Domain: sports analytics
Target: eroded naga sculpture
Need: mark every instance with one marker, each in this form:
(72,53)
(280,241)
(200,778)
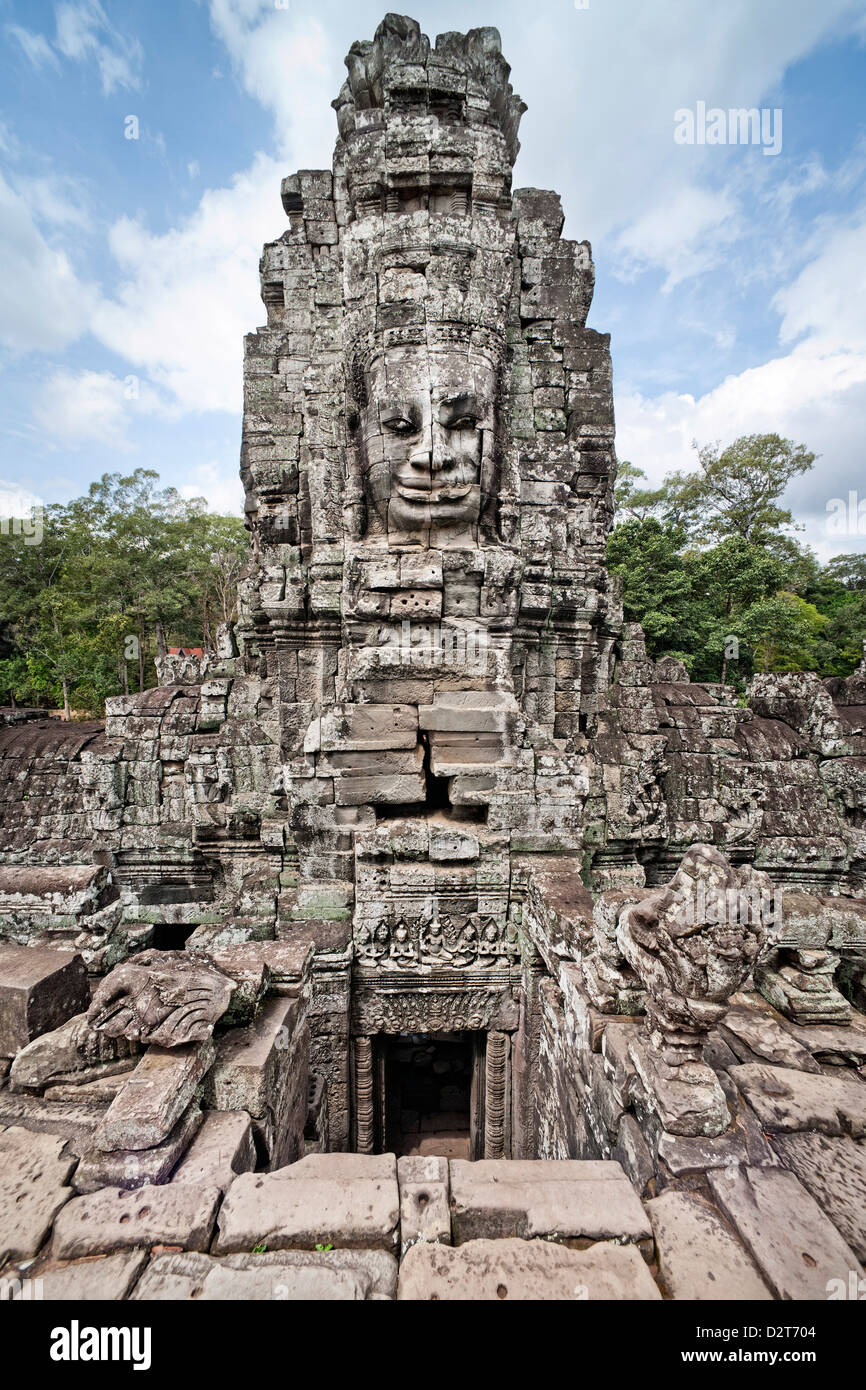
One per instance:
(692,943)
(164,997)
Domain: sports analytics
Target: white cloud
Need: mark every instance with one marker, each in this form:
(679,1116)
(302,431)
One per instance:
(57,200)
(828,298)
(84,31)
(17,501)
(82,407)
(684,236)
(36,48)
(287,64)
(219,484)
(43,304)
(189,296)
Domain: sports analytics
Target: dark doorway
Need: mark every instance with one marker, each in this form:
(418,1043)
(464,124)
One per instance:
(427,1083)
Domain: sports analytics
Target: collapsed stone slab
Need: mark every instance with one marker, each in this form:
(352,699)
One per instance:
(698,1256)
(795,1246)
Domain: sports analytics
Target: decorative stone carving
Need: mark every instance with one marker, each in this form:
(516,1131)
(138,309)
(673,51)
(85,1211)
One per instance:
(75,1051)
(800,984)
(692,943)
(495,1095)
(164,997)
(425,1011)
(364,1109)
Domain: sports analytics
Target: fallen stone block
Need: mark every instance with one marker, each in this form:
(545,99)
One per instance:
(424,1204)
(764,1038)
(563,1199)
(263,1069)
(329,1276)
(155,1096)
(350,1201)
(834,1171)
(34,1177)
(117,1219)
(795,1246)
(524,1270)
(785,1100)
(133,1168)
(698,1257)
(39,990)
(223,1147)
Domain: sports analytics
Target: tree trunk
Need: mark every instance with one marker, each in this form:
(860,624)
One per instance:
(161,644)
(140,660)
(67,713)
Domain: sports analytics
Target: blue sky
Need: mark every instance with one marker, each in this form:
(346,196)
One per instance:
(733,282)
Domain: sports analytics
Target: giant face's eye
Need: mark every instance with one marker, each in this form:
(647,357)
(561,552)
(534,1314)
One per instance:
(465,422)
(400,424)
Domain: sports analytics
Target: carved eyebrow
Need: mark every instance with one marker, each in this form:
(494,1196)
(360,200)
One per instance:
(453,407)
(402,410)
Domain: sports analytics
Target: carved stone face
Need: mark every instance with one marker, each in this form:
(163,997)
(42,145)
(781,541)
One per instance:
(427,434)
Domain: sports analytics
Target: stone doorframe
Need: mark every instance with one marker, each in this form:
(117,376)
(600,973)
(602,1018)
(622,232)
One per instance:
(490,1105)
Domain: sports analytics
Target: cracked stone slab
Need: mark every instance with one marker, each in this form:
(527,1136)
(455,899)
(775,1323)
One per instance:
(345,1200)
(117,1219)
(523,1270)
(834,1171)
(74,1123)
(786,1100)
(34,1176)
(287,1276)
(795,1246)
(98,1278)
(424,1200)
(134,1168)
(563,1199)
(698,1257)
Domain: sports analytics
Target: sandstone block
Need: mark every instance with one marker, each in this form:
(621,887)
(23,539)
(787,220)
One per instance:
(103,1279)
(287,1276)
(795,1246)
(564,1199)
(345,1200)
(152,1100)
(117,1219)
(698,1256)
(223,1147)
(424,1200)
(34,1173)
(786,1100)
(524,1270)
(39,990)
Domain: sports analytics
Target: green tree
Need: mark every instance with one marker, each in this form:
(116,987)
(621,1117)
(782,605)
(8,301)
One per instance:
(736,491)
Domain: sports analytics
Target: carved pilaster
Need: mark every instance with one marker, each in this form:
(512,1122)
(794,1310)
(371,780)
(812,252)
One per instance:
(496,1096)
(364,1111)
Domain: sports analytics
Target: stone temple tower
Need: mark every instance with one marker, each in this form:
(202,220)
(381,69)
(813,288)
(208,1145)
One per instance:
(429,839)
(427,456)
